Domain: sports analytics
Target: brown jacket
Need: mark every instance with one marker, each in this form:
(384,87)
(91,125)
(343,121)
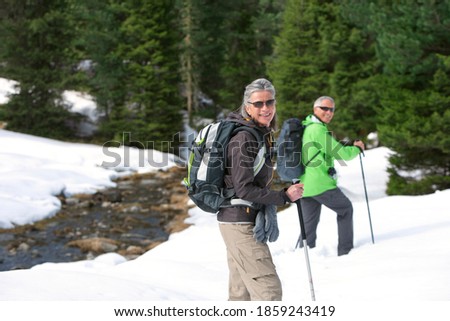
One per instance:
(241,152)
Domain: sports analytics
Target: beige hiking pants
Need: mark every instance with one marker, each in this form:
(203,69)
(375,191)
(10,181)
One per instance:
(253,276)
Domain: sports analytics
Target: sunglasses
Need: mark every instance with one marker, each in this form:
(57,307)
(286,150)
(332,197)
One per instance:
(326,108)
(260,104)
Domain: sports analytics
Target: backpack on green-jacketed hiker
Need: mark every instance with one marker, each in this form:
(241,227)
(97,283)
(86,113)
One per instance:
(289,150)
(207,164)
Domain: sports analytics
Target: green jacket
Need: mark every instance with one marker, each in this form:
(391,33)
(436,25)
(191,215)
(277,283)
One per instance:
(321,149)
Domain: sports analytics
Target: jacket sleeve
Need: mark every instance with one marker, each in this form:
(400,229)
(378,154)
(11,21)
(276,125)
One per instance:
(241,153)
(322,141)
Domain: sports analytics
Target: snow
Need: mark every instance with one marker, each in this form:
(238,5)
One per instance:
(409,261)
(81,103)
(35,170)
(7,87)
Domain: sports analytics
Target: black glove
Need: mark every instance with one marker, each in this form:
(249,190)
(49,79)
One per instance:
(266,225)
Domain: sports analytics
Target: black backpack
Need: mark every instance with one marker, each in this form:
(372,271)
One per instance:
(289,150)
(207,164)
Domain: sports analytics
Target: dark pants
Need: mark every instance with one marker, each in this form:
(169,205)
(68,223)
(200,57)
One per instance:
(335,200)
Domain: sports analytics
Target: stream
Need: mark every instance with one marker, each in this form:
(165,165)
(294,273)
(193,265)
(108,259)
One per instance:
(130,219)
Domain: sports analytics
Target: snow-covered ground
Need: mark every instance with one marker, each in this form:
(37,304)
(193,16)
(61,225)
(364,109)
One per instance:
(404,275)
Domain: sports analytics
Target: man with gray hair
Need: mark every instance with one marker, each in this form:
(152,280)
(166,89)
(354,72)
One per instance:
(319,151)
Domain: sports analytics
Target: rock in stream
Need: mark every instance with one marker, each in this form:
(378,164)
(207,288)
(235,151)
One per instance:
(130,219)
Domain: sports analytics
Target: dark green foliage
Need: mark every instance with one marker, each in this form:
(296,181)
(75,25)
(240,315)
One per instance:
(410,34)
(414,111)
(208,43)
(297,66)
(410,186)
(33,51)
(352,79)
(248,42)
(99,25)
(134,48)
(150,50)
(232,39)
(320,52)
(416,126)
(386,64)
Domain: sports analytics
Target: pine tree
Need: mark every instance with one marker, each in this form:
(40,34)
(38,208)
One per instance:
(414,115)
(352,72)
(251,26)
(208,44)
(133,46)
(149,48)
(298,68)
(34,52)
(188,58)
(99,39)
(231,40)
(321,52)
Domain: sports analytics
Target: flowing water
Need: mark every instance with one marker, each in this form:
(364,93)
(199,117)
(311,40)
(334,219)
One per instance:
(129,219)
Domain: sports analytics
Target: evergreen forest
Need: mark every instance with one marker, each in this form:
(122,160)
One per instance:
(149,62)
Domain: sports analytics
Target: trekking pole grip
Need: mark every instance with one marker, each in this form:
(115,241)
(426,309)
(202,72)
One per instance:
(300,212)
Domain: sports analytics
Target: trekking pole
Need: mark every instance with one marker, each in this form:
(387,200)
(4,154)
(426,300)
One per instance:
(365,191)
(303,235)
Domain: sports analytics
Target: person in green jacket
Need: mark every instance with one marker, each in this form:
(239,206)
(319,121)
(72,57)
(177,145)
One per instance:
(319,151)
